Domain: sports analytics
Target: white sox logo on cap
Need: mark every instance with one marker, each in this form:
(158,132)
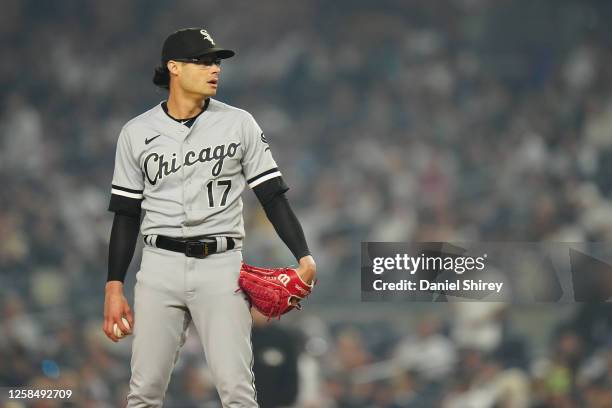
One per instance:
(207,36)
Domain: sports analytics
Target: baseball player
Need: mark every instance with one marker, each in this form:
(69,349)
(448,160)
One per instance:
(185,162)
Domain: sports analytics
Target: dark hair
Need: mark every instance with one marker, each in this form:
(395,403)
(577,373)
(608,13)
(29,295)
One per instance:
(161,77)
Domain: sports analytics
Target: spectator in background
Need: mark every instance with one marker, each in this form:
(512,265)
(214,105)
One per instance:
(478,325)
(428,353)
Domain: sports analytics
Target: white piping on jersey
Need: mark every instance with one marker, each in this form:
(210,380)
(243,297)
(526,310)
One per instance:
(126,194)
(265,178)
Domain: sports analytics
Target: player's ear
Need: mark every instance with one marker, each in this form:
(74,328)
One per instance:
(173,67)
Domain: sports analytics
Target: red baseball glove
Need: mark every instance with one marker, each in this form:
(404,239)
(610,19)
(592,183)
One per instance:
(273,291)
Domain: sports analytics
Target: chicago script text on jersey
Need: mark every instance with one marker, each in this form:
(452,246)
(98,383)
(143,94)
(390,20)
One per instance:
(157,167)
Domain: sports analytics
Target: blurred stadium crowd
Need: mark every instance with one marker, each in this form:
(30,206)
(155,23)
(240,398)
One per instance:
(463,120)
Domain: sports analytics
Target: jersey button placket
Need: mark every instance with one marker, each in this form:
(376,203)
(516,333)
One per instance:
(186,185)
(187,194)
(187,180)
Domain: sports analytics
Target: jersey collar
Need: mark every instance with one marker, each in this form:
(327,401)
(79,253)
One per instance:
(187,121)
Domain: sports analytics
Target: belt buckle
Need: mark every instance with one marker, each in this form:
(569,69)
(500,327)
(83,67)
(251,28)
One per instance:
(196,249)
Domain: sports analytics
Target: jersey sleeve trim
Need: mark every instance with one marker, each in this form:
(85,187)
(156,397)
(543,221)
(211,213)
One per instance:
(126,192)
(266,175)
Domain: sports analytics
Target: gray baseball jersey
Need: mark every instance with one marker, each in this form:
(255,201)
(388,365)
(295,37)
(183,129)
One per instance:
(191,179)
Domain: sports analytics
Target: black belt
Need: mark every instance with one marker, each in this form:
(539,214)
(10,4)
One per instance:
(190,247)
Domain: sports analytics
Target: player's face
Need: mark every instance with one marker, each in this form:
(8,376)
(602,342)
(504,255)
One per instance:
(200,78)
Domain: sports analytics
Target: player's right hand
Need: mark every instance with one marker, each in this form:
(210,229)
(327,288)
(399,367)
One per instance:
(116,307)
(307,270)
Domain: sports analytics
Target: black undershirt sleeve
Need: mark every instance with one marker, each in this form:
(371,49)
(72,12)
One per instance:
(287,226)
(283,218)
(269,189)
(125,205)
(122,245)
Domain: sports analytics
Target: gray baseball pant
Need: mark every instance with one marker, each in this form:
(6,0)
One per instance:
(171,291)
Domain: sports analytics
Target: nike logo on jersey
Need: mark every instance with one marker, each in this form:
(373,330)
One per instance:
(156,166)
(147,141)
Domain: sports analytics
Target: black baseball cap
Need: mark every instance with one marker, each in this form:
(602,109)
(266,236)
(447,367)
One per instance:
(192,43)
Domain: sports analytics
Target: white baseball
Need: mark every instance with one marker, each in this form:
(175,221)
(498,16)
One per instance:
(117,331)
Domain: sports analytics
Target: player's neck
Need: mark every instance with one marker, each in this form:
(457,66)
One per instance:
(183,106)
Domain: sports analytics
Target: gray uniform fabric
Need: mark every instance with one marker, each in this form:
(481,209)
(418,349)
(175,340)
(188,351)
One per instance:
(190,180)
